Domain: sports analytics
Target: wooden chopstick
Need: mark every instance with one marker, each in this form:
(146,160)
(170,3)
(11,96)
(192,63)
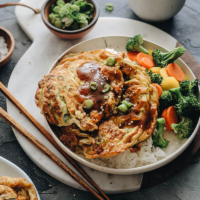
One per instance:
(46,151)
(5,91)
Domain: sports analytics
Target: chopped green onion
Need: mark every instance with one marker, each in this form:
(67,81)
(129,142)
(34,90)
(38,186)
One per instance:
(65,117)
(110,61)
(58,23)
(56,9)
(109,7)
(106,88)
(105,97)
(127,103)
(93,85)
(123,108)
(88,103)
(98,143)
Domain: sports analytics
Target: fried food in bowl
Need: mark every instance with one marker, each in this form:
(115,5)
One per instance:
(85,96)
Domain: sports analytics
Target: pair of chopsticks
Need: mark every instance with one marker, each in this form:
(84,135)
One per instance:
(45,150)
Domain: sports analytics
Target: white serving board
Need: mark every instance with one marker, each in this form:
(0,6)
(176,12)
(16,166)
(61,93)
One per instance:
(36,62)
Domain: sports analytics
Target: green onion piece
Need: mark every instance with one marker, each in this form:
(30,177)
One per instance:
(105,97)
(58,23)
(106,88)
(56,9)
(127,103)
(110,61)
(88,103)
(123,108)
(98,143)
(65,117)
(93,85)
(109,6)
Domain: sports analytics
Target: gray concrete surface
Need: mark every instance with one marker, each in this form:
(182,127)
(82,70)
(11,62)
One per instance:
(185,27)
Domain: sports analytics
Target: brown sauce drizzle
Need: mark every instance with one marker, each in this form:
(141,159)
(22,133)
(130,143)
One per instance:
(91,72)
(132,119)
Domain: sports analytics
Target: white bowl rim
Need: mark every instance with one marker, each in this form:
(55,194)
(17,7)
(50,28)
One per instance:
(7,162)
(129,171)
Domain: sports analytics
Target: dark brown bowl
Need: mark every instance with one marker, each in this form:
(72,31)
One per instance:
(9,39)
(68,34)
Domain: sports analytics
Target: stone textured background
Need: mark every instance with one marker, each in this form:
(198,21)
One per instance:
(185,27)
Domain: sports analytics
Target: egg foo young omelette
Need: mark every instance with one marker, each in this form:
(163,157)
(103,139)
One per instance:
(16,189)
(103,103)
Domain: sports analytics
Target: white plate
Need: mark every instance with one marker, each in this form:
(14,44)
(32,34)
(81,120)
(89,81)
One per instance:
(9,169)
(35,63)
(118,43)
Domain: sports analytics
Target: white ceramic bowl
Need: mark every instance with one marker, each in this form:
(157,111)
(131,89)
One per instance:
(156,10)
(119,43)
(9,169)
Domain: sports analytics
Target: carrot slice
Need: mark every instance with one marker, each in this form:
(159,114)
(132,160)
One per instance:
(168,126)
(143,55)
(146,62)
(158,88)
(164,115)
(171,116)
(175,71)
(132,55)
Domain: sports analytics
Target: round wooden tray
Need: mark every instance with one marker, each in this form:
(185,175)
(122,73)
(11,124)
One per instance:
(161,174)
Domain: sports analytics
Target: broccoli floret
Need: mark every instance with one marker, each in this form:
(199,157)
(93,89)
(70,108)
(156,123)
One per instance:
(135,44)
(189,87)
(155,77)
(163,59)
(184,129)
(158,139)
(166,100)
(187,106)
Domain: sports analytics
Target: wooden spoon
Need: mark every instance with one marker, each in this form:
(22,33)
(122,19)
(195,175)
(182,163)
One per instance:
(37,11)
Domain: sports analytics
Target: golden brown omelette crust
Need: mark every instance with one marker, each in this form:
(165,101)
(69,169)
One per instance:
(103,131)
(16,188)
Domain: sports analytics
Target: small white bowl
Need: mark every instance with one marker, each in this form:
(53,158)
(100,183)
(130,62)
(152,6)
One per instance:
(118,43)
(156,10)
(9,169)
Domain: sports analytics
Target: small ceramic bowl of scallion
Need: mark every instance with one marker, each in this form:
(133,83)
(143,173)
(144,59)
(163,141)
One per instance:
(70,19)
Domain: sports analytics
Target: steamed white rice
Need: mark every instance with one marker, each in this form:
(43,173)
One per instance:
(147,155)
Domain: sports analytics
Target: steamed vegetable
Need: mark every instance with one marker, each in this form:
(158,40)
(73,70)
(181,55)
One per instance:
(171,116)
(164,115)
(166,100)
(175,71)
(158,87)
(163,59)
(158,139)
(183,129)
(74,15)
(132,55)
(189,87)
(155,77)
(169,83)
(187,106)
(156,70)
(135,44)
(145,60)
(163,73)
